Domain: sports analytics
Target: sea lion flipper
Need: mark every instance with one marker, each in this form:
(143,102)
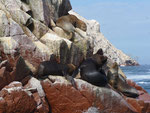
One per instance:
(71,80)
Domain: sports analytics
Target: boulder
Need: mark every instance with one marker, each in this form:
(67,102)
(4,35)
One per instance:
(141,103)
(66,99)
(60,32)
(11,5)
(133,84)
(13,98)
(15,28)
(45,10)
(38,94)
(8,45)
(39,29)
(4,24)
(65,49)
(21,17)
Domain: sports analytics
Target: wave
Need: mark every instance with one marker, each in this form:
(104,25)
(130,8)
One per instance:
(143,83)
(138,77)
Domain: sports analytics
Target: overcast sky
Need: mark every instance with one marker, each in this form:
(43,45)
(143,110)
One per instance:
(125,23)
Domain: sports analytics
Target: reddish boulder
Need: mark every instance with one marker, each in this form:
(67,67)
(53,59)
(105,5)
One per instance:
(38,94)
(133,84)
(141,103)
(15,99)
(5,77)
(145,97)
(13,71)
(64,98)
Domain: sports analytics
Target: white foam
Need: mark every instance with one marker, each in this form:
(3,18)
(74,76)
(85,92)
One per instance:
(143,83)
(138,77)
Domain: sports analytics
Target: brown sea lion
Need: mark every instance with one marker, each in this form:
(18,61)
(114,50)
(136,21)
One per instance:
(117,81)
(69,23)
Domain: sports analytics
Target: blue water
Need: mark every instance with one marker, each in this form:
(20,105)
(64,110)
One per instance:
(139,74)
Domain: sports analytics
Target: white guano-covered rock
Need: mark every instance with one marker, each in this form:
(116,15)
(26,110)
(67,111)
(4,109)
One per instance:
(8,45)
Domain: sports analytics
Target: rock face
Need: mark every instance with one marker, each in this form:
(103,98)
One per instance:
(57,95)
(65,99)
(13,98)
(116,55)
(29,36)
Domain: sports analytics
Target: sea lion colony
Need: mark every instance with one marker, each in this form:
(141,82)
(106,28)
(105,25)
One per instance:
(97,69)
(91,70)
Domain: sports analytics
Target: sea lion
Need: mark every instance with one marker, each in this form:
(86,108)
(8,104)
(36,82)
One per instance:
(117,81)
(110,65)
(54,67)
(69,23)
(90,70)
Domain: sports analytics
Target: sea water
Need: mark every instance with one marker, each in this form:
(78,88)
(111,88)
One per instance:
(139,74)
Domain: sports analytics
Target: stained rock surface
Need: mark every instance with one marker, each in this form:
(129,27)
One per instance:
(64,98)
(13,98)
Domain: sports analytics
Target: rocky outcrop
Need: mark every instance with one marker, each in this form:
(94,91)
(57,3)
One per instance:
(13,98)
(66,99)
(29,36)
(93,30)
(57,95)
(25,31)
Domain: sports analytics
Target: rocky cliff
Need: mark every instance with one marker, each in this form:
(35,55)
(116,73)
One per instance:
(28,36)
(116,55)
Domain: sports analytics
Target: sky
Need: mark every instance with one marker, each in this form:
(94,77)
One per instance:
(125,23)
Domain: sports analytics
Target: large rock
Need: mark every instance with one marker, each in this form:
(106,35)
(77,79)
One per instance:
(15,99)
(141,103)
(44,10)
(60,32)
(8,45)
(65,49)
(4,27)
(38,94)
(66,99)
(116,55)
(39,29)
(15,70)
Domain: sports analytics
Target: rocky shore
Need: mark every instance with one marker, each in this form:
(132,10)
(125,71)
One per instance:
(28,36)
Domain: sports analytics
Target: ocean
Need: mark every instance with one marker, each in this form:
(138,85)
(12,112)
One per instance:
(139,74)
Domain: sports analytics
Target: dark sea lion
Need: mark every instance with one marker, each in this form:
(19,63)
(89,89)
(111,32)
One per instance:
(118,82)
(69,22)
(89,70)
(54,67)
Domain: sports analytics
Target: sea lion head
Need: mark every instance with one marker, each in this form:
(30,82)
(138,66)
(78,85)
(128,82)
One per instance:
(81,25)
(100,52)
(77,23)
(99,59)
(55,58)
